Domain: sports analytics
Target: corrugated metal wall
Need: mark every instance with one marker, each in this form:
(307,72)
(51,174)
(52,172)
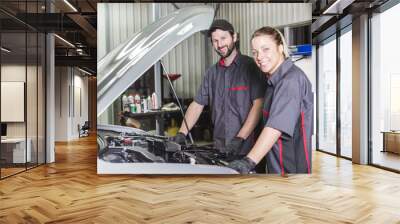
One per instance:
(187,58)
(248,17)
(116,22)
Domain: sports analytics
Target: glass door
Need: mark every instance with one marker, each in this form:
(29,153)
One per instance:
(327,96)
(346,92)
(13,103)
(385,89)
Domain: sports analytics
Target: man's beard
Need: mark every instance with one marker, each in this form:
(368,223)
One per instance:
(230,50)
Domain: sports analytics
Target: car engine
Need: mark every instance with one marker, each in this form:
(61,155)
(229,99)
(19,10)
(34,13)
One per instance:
(133,147)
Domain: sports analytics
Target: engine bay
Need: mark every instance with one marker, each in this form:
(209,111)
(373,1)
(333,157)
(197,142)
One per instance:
(146,148)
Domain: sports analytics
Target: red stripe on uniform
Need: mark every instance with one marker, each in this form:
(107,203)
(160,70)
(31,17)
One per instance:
(239,88)
(265,113)
(305,142)
(281,155)
(221,62)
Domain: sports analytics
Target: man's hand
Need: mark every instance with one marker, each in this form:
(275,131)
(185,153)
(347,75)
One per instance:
(234,146)
(243,166)
(179,138)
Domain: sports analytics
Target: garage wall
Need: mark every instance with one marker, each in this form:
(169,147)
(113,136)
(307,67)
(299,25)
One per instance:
(120,21)
(248,17)
(117,22)
(188,59)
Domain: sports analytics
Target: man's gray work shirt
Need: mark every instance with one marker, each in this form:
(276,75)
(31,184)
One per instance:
(230,92)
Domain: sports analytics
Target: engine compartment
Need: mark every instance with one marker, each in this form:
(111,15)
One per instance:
(131,147)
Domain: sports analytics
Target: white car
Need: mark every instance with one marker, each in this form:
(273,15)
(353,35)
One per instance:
(124,150)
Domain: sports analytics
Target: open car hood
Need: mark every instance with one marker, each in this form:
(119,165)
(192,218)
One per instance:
(125,150)
(120,68)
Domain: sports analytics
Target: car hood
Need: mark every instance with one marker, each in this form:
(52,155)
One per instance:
(120,68)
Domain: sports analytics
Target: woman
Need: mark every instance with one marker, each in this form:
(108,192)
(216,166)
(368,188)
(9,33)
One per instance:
(287,112)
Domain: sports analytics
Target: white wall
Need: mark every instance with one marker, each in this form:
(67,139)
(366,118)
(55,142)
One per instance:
(61,103)
(33,126)
(70,84)
(15,72)
(80,108)
(308,65)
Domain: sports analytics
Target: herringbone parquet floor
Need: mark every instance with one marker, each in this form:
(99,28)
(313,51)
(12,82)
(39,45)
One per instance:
(70,191)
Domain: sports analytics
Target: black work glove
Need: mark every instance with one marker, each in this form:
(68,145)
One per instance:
(243,166)
(179,138)
(234,146)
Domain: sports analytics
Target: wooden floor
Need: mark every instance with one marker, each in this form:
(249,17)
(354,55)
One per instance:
(10,171)
(70,191)
(387,159)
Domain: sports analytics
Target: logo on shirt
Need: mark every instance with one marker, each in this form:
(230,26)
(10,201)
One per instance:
(239,88)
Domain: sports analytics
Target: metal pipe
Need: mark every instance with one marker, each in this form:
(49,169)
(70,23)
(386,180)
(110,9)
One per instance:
(179,103)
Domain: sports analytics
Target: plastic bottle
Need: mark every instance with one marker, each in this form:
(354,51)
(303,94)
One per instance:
(144,105)
(137,98)
(154,101)
(127,108)
(137,103)
(125,103)
(124,100)
(173,129)
(149,103)
(133,108)
(130,99)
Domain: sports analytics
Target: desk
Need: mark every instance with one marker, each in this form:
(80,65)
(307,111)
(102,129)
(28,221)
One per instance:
(391,141)
(13,150)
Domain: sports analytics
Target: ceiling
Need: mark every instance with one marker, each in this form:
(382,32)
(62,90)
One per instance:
(74,22)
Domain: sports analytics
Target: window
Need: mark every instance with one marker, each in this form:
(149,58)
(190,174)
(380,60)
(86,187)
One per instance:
(385,89)
(346,92)
(22,76)
(327,96)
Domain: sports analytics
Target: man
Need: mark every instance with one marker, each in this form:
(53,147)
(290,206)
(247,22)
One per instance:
(287,113)
(234,89)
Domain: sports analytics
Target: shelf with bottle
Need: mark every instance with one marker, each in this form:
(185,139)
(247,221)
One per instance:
(140,104)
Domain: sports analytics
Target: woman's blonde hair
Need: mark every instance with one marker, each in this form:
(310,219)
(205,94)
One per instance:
(276,35)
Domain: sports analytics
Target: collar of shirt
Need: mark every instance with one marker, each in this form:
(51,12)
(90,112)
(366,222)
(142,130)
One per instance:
(221,61)
(280,72)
